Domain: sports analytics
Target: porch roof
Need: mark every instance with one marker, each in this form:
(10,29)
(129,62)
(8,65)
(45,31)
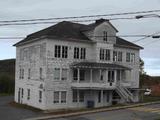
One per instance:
(98,65)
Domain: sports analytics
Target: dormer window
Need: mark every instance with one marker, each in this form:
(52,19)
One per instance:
(105,36)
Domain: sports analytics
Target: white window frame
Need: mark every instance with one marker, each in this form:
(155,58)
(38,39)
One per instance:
(65,98)
(105,54)
(40,96)
(41,73)
(105,38)
(28,94)
(64,51)
(76,96)
(57,100)
(57,51)
(64,76)
(29,73)
(57,75)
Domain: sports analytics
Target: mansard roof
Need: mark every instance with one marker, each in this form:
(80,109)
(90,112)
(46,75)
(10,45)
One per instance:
(71,31)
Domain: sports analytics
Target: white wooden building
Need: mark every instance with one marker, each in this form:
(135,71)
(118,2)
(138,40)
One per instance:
(72,65)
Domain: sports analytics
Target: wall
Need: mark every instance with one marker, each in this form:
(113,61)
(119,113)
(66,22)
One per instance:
(31,56)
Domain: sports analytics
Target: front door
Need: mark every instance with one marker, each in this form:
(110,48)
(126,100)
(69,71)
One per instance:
(19,95)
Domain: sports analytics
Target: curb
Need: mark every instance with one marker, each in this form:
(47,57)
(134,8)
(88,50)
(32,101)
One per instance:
(90,111)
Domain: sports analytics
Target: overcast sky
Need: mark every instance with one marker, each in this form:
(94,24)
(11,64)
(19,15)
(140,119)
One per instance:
(31,9)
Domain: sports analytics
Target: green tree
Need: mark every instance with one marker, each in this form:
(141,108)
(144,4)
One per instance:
(141,67)
(6,84)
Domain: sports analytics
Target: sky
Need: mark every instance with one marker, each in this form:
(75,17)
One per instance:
(33,9)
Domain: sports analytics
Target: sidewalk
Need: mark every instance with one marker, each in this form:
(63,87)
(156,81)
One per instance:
(91,111)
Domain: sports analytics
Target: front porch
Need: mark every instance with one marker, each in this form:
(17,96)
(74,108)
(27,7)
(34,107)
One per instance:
(97,98)
(99,76)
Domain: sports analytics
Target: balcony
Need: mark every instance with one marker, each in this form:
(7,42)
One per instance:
(98,76)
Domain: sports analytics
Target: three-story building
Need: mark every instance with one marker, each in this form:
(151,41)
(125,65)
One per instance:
(71,65)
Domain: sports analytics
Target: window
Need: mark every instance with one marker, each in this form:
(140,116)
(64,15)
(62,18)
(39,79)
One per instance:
(76,53)
(28,94)
(132,57)
(22,92)
(83,53)
(79,53)
(64,51)
(57,52)
(110,76)
(40,73)
(21,54)
(99,96)
(82,75)
(104,54)
(105,36)
(107,57)
(63,96)
(64,74)
(75,74)
(21,73)
(101,74)
(56,97)
(101,54)
(115,56)
(75,96)
(120,56)
(127,57)
(57,74)
(81,96)
(61,51)
(40,96)
(29,73)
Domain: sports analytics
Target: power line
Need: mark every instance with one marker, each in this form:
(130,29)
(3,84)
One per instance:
(145,37)
(142,35)
(53,22)
(84,16)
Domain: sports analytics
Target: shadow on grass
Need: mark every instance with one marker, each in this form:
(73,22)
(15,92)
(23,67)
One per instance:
(22,106)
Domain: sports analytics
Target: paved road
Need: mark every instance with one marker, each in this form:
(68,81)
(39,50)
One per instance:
(8,112)
(150,112)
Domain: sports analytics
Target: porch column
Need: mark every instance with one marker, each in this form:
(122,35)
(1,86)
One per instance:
(78,96)
(78,72)
(106,76)
(101,96)
(100,73)
(91,78)
(115,75)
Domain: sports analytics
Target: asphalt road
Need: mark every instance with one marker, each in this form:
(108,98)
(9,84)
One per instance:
(8,112)
(150,112)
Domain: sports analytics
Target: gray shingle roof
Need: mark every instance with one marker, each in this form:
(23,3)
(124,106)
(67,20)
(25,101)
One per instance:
(120,42)
(71,31)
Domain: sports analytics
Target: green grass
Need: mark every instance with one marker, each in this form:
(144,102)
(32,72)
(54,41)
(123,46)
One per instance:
(5,94)
(151,98)
(22,106)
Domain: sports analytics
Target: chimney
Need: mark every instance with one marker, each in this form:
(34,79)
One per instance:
(101,20)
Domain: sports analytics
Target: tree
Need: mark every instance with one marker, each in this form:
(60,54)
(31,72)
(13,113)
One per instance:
(141,67)
(6,84)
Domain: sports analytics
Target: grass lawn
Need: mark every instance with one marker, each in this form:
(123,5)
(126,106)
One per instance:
(5,94)
(151,98)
